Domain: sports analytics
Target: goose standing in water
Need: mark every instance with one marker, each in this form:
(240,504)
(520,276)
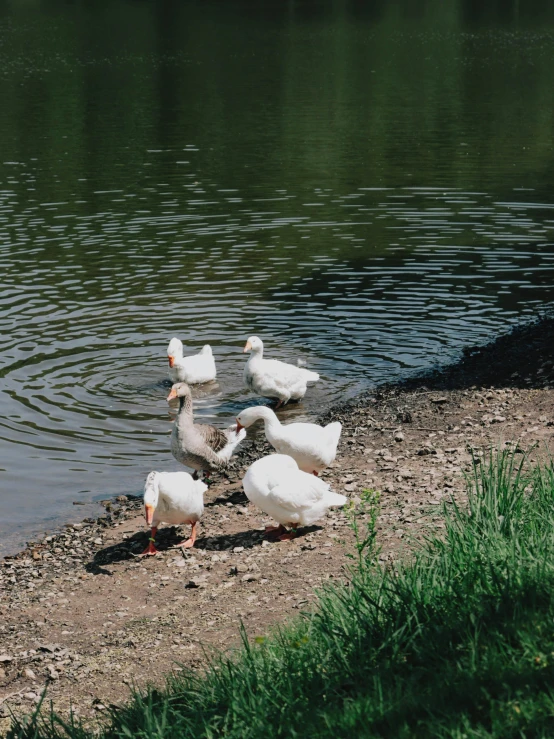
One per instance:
(272,378)
(195,369)
(290,496)
(200,445)
(312,447)
(174,498)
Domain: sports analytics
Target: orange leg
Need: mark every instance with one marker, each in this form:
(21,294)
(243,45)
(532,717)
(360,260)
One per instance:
(189,542)
(150,550)
(273,532)
(292,534)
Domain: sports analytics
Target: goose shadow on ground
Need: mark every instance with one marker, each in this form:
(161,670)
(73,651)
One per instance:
(168,539)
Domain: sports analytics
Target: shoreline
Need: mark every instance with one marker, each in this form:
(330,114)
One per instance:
(476,366)
(84,618)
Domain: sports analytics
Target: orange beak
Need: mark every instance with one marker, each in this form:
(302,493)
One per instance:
(239,425)
(247,347)
(172,394)
(149,514)
(171,360)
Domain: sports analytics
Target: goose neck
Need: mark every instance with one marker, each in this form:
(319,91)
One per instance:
(271,422)
(185,406)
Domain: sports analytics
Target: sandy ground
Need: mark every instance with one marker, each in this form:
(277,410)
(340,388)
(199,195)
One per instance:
(83,618)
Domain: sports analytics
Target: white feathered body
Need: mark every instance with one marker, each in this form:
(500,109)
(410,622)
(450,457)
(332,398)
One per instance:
(312,447)
(194,370)
(290,496)
(180,499)
(271,378)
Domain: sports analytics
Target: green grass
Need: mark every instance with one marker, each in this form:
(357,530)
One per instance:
(457,642)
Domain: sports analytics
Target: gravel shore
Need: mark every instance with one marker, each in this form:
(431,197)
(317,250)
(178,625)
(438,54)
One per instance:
(84,618)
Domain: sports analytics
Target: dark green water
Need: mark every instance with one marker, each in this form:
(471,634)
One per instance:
(369,186)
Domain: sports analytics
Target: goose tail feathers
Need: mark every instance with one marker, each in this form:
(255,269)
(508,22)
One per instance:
(310,376)
(334,432)
(335,499)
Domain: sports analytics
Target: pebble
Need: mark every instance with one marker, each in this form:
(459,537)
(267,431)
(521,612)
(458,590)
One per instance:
(5,658)
(250,576)
(180,562)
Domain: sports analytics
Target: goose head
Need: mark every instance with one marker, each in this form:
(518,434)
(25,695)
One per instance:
(174,350)
(179,390)
(151,495)
(250,415)
(253,344)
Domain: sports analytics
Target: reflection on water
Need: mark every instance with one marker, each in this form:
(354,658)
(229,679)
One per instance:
(368,189)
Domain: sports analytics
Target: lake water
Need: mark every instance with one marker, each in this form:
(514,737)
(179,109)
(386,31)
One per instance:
(367,186)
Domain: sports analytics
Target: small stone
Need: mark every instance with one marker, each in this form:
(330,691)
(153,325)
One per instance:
(498,419)
(5,658)
(30,696)
(53,674)
(97,541)
(250,577)
(196,582)
(29,674)
(439,401)
(122,499)
(236,550)
(399,436)
(178,562)
(48,647)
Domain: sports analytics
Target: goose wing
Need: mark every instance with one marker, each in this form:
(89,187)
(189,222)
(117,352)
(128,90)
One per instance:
(213,437)
(297,491)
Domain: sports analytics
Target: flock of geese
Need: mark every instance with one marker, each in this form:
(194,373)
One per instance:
(284,486)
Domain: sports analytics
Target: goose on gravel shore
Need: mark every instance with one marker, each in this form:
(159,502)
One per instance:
(312,447)
(173,498)
(272,378)
(200,445)
(290,496)
(195,369)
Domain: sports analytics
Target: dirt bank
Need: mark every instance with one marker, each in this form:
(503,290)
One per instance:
(83,617)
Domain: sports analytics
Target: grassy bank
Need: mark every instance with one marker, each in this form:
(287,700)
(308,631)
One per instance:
(458,642)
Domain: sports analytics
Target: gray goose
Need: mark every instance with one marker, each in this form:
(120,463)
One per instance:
(200,445)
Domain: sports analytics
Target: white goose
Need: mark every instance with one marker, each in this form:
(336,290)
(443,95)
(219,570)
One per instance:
(312,447)
(174,498)
(290,496)
(194,369)
(272,378)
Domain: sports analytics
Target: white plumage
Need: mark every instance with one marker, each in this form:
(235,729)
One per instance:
(195,369)
(290,496)
(312,447)
(173,498)
(272,378)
